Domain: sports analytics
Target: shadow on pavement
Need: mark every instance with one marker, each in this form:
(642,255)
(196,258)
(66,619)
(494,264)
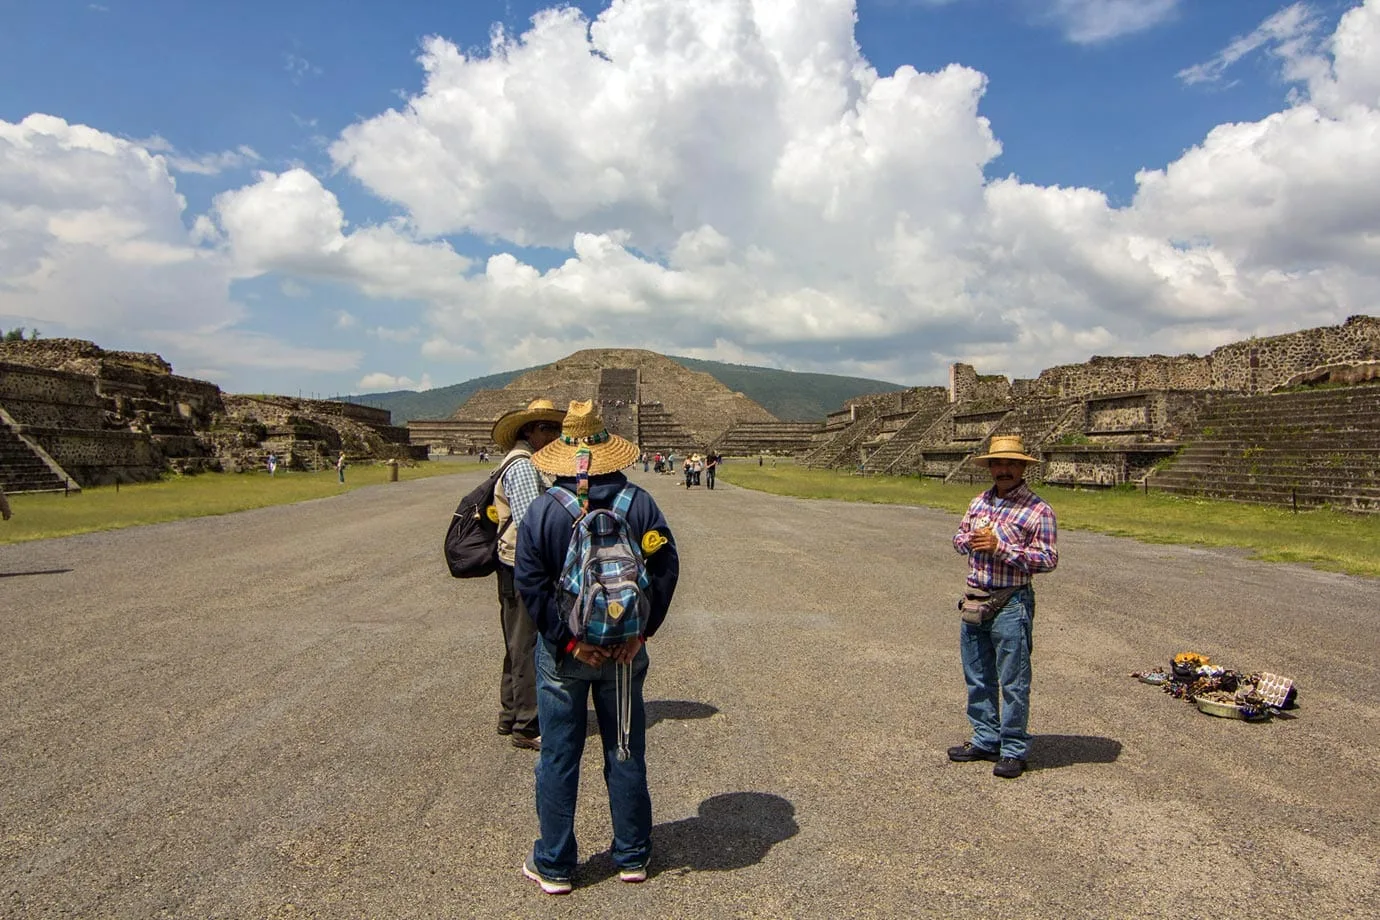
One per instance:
(733,830)
(659,710)
(1048,752)
(38,572)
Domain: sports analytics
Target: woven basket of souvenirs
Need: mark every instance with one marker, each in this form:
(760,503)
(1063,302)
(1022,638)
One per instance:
(1220,691)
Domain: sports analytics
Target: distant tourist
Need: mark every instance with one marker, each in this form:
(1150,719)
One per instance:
(586,462)
(340,466)
(711,463)
(4,505)
(1008,534)
(272,463)
(689,470)
(519,434)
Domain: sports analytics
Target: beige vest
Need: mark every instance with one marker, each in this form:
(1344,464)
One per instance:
(508,532)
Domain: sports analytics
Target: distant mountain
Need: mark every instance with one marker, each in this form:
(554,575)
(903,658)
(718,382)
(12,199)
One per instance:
(788,395)
(440,402)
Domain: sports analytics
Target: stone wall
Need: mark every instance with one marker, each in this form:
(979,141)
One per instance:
(1261,365)
(1103,375)
(966,385)
(79,356)
(50,399)
(95,458)
(1252,366)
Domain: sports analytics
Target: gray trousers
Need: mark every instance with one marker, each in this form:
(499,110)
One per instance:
(518,689)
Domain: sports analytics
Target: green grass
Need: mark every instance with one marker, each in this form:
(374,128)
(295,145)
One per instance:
(37,517)
(1325,539)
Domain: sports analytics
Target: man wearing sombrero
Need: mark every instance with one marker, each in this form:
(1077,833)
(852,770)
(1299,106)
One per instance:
(519,434)
(1008,534)
(586,461)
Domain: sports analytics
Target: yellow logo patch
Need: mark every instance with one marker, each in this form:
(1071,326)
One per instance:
(492,513)
(652,541)
(615,610)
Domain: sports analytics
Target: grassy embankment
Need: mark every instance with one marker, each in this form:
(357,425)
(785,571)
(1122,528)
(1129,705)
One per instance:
(1324,539)
(175,498)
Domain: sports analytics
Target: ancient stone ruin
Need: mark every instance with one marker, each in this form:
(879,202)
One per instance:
(1289,419)
(646,397)
(73,414)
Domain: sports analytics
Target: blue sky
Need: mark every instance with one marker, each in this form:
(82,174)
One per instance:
(350,197)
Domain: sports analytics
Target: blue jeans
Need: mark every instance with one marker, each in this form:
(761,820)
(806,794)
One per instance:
(563,690)
(996,668)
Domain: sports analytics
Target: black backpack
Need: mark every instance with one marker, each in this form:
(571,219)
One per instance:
(471,545)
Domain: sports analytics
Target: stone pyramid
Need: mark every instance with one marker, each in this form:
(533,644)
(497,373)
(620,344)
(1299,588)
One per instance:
(643,395)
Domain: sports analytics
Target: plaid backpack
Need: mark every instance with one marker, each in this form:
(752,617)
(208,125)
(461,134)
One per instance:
(604,572)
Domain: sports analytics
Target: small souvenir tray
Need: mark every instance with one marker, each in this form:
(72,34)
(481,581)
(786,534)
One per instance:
(1229,710)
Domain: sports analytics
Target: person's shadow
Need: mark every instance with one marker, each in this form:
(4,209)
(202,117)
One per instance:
(733,830)
(658,710)
(38,572)
(1049,752)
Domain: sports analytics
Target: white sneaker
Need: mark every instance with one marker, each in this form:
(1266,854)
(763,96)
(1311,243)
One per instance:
(548,885)
(634,874)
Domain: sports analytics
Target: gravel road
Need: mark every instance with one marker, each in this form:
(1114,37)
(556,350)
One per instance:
(289,713)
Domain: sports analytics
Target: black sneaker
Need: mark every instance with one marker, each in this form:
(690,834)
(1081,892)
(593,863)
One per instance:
(968,751)
(1009,767)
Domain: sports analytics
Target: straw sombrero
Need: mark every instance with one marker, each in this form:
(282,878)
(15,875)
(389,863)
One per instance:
(507,427)
(1005,447)
(584,430)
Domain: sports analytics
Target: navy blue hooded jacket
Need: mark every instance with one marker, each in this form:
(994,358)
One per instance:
(544,538)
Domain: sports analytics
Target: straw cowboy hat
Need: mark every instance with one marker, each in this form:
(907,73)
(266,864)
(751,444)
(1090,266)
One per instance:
(538,410)
(584,430)
(1005,447)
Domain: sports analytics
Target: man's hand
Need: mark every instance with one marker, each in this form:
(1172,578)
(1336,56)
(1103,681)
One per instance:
(592,655)
(985,540)
(625,653)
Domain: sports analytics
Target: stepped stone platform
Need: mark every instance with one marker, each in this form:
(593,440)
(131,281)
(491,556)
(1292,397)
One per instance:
(747,439)
(96,417)
(1194,425)
(1311,448)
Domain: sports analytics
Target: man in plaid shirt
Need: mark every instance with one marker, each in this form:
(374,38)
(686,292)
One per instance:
(520,434)
(1008,534)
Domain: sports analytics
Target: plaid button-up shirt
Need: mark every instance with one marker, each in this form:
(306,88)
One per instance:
(1026,533)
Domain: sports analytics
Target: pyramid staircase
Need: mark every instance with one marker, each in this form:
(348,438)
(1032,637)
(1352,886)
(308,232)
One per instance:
(891,456)
(1036,423)
(24,467)
(839,451)
(660,431)
(617,401)
(1314,448)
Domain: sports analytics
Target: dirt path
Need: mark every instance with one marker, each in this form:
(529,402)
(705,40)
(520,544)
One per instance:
(289,712)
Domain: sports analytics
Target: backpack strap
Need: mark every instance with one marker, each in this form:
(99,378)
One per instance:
(623,501)
(568,501)
(514,456)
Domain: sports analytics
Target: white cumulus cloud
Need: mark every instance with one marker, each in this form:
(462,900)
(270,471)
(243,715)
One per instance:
(736,172)
(733,178)
(380,382)
(93,240)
